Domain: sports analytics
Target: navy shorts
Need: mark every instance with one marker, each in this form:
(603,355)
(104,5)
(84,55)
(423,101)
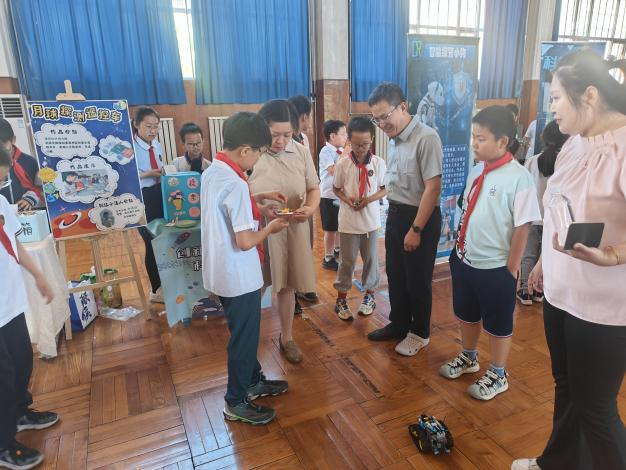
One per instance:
(329,213)
(483,294)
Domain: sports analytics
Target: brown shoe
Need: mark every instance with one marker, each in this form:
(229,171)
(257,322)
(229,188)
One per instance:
(291,350)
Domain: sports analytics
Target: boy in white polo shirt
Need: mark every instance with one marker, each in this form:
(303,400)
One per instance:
(232,253)
(499,204)
(336,136)
(16,353)
(359,185)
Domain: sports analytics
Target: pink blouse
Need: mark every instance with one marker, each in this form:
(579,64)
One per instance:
(591,174)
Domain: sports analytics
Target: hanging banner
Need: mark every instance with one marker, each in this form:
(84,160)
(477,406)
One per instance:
(442,84)
(551,53)
(87,166)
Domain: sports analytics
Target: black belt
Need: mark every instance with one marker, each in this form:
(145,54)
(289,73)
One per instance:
(396,206)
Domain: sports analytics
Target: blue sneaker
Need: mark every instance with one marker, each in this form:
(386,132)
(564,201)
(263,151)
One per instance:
(248,412)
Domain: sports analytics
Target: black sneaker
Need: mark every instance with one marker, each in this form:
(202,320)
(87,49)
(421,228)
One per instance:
(330,264)
(524,297)
(297,310)
(537,297)
(249,413)
(34,419)
(336,252)
(267,388)
(386,333)
(19,457)
(308,296)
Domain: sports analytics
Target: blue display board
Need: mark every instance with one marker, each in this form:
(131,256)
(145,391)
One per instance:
(551,53)
(87,166)
(442,84)
(178,254)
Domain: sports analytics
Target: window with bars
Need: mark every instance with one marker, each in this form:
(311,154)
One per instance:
(595,20)
(448,18)
(184,34)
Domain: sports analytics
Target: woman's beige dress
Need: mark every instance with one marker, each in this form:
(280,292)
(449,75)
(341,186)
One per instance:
(290,260)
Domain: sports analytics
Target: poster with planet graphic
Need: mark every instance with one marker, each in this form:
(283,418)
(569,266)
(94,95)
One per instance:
(87,166)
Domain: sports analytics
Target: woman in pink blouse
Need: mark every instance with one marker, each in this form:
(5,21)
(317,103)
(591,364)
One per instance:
(585,288)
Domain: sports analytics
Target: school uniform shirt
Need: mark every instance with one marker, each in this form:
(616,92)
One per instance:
(227,270)
(288,257)
(183,165)
(540,182)
(347,179)
(16,190)
(415,156)
(13,298)
(590,172)
(142,154)
(328,157)
(508,199)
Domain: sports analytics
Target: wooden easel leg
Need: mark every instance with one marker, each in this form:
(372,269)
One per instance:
(62,255)
(133,263)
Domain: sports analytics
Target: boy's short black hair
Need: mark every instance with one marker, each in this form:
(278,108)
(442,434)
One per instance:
(190,128)
(301,103)
(512,107)
(5,158)
(390,92)
(361,124)
(246,128)
(499,120)
(332,126)
(6,131)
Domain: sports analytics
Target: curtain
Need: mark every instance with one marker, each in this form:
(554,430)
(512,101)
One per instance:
(503,49)
(250,51)
(378,36)
(107,48)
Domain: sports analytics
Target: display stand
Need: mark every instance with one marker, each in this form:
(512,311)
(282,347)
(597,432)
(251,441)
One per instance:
(95,240)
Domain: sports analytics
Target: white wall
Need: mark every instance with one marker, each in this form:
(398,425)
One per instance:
(331,39)
(7,57)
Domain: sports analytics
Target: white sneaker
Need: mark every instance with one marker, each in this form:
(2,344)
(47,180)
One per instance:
(525,464)
(157,297)
(488,386)
(411,345)
(458,366)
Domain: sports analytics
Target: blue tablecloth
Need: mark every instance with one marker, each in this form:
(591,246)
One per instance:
(178,254)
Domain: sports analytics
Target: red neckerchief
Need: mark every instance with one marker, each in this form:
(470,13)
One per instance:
(363,176)
(339,152)
(6,241)
(256,214)
(23,177)
(472,196)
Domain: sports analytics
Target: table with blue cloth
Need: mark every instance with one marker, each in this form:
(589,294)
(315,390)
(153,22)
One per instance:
(178,253)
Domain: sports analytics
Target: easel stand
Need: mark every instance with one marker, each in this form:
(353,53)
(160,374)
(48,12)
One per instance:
(95,248)
(100,282)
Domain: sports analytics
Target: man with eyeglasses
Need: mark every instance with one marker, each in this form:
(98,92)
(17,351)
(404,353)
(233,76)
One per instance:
(413,182)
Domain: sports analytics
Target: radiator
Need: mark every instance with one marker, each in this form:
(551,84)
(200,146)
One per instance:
(167,139)
(381,142)
(215,134)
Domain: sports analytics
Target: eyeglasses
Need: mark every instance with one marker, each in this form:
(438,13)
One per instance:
(378,121)
(363,145)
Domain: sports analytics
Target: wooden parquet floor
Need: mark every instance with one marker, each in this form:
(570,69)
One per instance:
(139,395)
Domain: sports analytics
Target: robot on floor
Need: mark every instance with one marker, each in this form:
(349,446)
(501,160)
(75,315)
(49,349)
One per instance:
(431,435)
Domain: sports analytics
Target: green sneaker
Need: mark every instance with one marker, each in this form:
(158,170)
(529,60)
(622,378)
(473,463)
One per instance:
(248,412)
(267,388)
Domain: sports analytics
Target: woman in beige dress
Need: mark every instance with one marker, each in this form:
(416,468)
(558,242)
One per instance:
(288,167)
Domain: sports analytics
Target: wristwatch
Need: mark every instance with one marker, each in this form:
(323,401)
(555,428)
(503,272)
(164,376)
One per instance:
(416,228)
